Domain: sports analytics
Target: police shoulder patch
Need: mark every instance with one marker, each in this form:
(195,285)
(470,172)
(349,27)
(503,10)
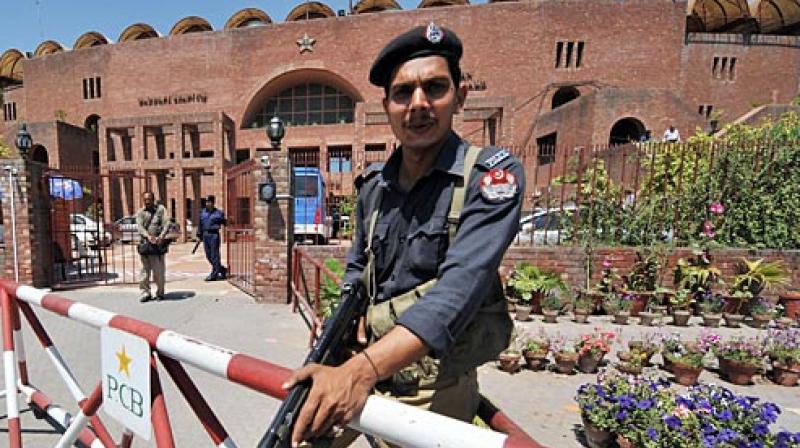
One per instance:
(496,158)
(498,185)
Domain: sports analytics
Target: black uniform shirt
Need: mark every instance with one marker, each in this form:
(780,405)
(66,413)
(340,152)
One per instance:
(411,241)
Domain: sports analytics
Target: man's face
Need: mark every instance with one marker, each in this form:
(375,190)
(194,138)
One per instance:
(148,200)
(421,102)
(209,205)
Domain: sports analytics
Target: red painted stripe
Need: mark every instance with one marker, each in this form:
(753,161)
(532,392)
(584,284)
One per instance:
(23,372)
(500,422)
(142,329)
(35,324)
(258,375)
(14,433)
(57,304)
(8,332)
(43,402)
(159,417)
(199,405)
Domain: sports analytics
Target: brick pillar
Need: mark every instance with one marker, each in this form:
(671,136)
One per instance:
(272,225)
(32,210)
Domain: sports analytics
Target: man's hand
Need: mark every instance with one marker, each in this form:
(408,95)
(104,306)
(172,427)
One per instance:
(152,239)
(336,395)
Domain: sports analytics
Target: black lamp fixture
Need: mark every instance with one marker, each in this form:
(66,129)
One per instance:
(24,141)
(276,131)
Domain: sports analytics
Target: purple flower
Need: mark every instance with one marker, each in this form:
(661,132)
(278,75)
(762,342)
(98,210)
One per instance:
(708,229)
(673,422)
(621,415)
(725,415)
(728,435)
(645,404)
(761,429)
(651,432)
(607,263)
(717,208)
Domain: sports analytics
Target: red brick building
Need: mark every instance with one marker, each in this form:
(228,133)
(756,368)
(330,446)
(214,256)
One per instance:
(181,108)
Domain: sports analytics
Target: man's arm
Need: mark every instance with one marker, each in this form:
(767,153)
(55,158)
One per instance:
(140,224)
(165,221)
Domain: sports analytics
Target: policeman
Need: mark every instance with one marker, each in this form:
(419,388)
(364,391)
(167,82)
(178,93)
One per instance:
(211,219)
(432,227)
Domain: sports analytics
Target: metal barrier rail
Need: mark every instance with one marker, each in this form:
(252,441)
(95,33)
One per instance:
(389,420)
(302,299)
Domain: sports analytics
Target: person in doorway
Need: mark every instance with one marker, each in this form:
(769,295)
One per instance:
(152,222)
(432,226)
(211,220)
(671,135)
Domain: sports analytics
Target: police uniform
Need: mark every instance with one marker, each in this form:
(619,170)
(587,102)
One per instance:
(210,223)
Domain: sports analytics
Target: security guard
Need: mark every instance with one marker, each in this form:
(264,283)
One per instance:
(432,226)
(211,219)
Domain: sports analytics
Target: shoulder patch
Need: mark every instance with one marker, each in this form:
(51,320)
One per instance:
(496,158)
(498,185)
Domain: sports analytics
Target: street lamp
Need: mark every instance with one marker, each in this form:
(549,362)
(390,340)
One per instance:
(275,132)
(24,141)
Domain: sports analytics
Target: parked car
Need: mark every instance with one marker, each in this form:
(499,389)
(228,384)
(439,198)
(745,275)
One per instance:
(546,226)
(88,231)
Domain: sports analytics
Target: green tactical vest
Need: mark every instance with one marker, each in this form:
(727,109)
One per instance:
(484,338)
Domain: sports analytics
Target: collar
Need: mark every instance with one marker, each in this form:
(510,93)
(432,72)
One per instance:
(450,160)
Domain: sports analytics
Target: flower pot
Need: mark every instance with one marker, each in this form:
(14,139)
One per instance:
(588,363)
(523,313)
(735,305)
(685,375)
(680,318)
(784,375)
(629,368)
(733,320)
(596,437)
(711,320)
(623,442)
(668,364)
(536,360)
(509,361)
(639,301)
(791,304)
(736,372)
(784,322)
(565,362)
(621,318)
(581,316)
(550,316)
(536,302)
(648,319)
(761,320)
(511,304)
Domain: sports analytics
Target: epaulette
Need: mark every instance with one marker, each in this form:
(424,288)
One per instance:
(496,159)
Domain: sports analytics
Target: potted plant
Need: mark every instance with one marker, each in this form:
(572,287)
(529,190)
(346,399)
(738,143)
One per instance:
(508,360)
(564,354)
(740,359)
(763,310)
(535,350)
(648,346)
(651,315)
(783,350)
(642,280)
(752,278)
(697,274)
(592,348)
(551,307)
(732,309)
(710,309)
(599,409)
(680,303)
(791,304)
(530,284)
(582,306)
(686,365)
(618,305)
(631,362)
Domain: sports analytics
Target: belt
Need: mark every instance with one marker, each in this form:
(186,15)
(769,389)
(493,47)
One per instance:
(212,232)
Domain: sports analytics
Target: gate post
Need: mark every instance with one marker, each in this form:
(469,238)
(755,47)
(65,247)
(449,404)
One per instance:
(32,216)
(273,226)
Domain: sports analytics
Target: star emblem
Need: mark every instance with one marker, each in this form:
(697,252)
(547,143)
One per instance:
(306,43)
(124,362)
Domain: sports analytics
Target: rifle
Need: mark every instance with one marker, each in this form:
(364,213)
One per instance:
(337,332)
(197,244)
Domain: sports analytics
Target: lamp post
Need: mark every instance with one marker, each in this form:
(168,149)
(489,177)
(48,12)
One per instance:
(275,132)
(24,141)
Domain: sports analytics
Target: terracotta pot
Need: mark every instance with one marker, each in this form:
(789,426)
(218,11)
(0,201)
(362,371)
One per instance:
(648,319)
(511,304)
(686,375)
(735,305)
(536,360)
(623,442)
(621,318)
(536,302)
(680,318)
(761,320)
(711,320)
(791,304)
(523,313)
(588,363)
(581,316)
(625,367)
(596,437)
(736,372)
(733,320)
(509,361)
(668,364)
(639,301)
(785,376)
(565,363)
(550,316)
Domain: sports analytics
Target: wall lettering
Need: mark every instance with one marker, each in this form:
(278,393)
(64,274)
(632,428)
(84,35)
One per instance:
(173,99)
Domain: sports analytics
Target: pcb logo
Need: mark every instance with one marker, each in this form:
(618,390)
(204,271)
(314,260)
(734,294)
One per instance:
(126,380)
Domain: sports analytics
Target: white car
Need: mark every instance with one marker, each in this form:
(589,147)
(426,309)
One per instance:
(546,226)
(88,231)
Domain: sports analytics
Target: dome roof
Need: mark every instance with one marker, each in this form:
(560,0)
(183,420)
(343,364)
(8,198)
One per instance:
(719,15)
(435,3)
(90,39)
(248,17)
(310,10)
(11,65)
(367,6)
(48,47)
(138,31)
(191,24)
(775,16)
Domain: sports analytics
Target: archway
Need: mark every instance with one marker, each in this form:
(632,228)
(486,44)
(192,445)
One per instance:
(39,154)
(91,123)
(625,131)
(564,95)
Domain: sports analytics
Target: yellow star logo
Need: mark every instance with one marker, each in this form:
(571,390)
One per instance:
(124,362)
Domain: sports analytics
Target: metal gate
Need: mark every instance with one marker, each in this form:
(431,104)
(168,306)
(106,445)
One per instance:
(240,231)
(88,245)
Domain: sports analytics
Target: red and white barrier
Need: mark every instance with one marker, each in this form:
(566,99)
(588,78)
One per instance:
(395,422)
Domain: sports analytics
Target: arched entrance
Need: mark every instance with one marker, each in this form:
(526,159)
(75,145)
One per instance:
(39,154)
(564,95)
(626,130)
(91,123)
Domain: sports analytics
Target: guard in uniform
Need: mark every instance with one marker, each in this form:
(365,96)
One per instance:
(432,226)
(211,219)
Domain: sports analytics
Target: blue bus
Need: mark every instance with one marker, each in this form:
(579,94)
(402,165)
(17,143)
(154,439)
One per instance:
(309,205)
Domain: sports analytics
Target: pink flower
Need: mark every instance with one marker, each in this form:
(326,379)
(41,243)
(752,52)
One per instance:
(717,208)
(708,229)
(607,263)
(681,411)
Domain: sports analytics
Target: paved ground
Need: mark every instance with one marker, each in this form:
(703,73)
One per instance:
(220,314)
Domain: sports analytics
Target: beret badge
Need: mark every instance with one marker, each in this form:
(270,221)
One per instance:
(433,33)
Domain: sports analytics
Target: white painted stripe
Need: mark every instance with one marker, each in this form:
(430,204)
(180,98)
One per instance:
(90,315)
(10,370)
(65,373)
(58,414)
(74,431)
(204,356)
(19,347)
(227,443)
(408,426)
(31,295)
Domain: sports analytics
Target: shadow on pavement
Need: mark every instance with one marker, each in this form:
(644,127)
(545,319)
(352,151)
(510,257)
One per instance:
(179,295)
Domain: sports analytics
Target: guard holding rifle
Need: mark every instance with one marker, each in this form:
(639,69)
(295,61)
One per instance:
(432,227)
(211,219)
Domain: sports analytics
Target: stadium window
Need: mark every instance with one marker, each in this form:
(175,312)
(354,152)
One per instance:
(559,52)
(308,104)
(10,111)
(92,88)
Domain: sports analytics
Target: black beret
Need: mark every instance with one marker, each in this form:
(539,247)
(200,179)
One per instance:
(431,40)
(211,198)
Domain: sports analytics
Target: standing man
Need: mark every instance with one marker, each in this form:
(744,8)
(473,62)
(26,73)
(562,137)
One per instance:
(432,227)
(152,221)
(672,135)
(211,219)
